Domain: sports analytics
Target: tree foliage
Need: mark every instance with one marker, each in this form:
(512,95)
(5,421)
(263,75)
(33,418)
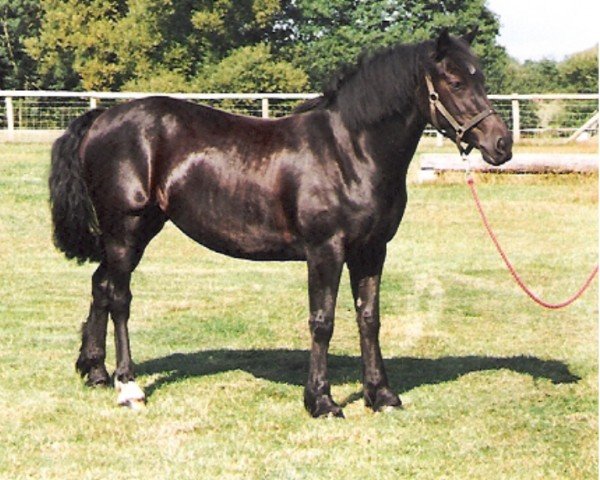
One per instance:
(154,44)
(253,69)
(18,20)
(243,45)
(577,73)
(95,44)
(320,34)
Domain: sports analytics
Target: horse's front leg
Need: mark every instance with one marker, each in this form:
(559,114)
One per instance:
(365,268)
(324,269)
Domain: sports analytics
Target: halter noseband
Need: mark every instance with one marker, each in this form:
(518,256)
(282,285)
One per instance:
(436,105)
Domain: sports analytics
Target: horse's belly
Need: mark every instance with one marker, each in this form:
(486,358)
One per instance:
(248,243)
(243,243)
(253,229)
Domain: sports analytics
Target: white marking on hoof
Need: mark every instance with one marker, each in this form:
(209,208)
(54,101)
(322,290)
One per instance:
(389,409)
(130,395)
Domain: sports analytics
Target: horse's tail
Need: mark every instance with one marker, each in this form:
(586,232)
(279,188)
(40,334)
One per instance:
(76,230)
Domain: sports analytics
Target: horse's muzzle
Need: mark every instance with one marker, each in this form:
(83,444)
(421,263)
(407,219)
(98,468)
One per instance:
(499,151)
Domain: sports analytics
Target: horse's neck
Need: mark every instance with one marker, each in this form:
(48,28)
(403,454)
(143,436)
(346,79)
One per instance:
(393,141)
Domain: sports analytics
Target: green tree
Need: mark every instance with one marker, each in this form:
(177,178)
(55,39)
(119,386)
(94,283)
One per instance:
(535,77)
(179,44)
(320,35)
(223,25)
(18,19)
(579,72)
(95,44)
(253,69)
(113,44)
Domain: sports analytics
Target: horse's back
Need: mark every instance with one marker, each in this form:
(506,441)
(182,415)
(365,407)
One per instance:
(145,144)
(168,119)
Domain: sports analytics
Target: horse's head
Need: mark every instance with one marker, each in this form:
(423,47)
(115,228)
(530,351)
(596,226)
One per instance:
(458,104)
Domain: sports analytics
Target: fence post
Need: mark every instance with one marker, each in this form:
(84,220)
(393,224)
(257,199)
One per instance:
(439,139)
(265,108)
(93,103)
(10,117)
(516,117)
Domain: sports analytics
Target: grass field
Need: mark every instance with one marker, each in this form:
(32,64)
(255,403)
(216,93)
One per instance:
(494,387)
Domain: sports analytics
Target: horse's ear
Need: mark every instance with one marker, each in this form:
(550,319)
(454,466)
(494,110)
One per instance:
(469,37)
(442,45)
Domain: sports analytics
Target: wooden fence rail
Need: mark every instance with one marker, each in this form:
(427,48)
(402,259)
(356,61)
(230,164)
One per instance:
(561,115)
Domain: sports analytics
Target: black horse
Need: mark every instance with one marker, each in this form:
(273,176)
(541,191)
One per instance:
(326,184)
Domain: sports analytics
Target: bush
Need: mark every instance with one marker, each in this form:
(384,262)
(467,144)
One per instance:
(252,69)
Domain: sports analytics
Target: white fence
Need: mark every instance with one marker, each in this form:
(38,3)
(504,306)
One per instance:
(24,114)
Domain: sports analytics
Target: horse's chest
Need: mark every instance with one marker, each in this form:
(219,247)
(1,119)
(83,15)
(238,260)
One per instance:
(377,220)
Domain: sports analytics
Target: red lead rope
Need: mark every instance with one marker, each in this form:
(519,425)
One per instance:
(510,266)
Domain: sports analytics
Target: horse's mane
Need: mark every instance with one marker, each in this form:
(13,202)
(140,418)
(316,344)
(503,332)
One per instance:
(378,85)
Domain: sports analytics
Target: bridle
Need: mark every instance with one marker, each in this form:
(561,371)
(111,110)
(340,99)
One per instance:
(435,105)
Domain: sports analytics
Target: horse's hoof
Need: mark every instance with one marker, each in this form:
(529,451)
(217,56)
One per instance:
(98,378)
(96,375)
(130,395)
(325,407)
(97,382)
(336,414)
(385,400)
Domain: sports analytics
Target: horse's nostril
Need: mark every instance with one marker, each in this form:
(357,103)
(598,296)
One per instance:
(501,145)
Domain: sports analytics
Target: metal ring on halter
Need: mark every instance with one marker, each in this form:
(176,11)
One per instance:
(465,158)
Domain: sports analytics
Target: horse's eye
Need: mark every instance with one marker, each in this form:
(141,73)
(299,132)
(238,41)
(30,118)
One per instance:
(456,85)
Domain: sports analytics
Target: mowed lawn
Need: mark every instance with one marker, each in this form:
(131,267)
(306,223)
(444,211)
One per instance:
(494,387)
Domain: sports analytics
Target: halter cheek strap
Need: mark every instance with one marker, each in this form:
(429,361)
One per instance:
(435,106)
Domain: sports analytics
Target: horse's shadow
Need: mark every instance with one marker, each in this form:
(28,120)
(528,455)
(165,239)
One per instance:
(290,366)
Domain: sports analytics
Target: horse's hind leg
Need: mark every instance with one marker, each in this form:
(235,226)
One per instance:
(124,245)
(125,238)
(120,302)
(93,332)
